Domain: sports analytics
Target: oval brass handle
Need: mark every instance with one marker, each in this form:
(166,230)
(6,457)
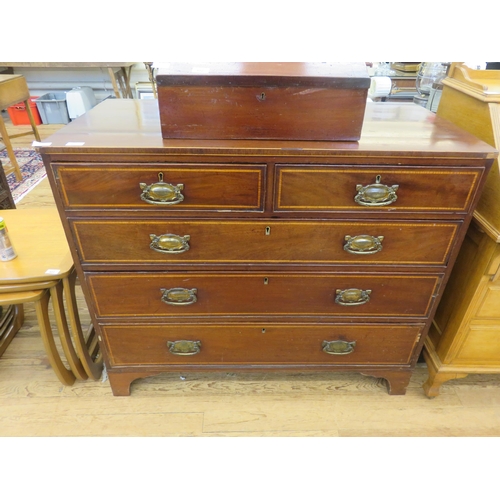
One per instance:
(184,347)
(338,347)
(179,296)
(169,243)
(363,244)
(376,195)
(352,297)
(161,193)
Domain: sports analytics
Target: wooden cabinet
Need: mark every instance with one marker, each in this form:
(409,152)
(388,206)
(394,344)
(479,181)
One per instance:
(262,254)
(465,335)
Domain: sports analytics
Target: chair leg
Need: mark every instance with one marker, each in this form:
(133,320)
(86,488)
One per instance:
(86,348)
(42,312)
(56,294)
(10,150)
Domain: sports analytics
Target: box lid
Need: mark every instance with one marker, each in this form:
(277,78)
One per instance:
(333,75)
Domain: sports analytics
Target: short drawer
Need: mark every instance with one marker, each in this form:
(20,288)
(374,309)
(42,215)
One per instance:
(169,187)
(258,294)
(329,189)
(277,344)
(265,242)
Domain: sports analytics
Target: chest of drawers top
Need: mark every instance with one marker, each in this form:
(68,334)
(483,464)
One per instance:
(395,133)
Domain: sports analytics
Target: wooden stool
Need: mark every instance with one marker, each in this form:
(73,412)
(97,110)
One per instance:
(14,89)
(44,271)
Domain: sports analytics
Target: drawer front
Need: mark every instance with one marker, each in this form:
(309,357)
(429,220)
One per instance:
(243,242)
(330,189)
(176,344)
(258,294)
(169,187)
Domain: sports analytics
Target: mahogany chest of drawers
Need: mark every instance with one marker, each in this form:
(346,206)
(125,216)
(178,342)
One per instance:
(263,255)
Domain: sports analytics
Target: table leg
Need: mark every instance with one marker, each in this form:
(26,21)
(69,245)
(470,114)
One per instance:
(42,311)
(32,120)
(88,348)
(126,77)
(56,294)
(113,81)
(10,150)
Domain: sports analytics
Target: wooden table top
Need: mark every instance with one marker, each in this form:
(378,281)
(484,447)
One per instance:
(41,246)
(133,125)
(6,78)
(13,89)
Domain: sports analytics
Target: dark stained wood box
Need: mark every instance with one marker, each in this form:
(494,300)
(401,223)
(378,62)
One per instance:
(290,101)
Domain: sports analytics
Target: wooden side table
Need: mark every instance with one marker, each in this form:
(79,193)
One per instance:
(465,335)
(14,89)
(44,270)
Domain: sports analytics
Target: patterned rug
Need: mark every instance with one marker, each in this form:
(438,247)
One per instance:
(32,169)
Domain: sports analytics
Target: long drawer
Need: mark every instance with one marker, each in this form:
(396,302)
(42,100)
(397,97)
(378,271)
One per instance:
(166,186)
(173,294)
(178,242)
(313,188)
(223,344)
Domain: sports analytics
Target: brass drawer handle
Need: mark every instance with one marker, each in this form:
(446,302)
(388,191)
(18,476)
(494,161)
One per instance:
(161,193)
(179,296)
(376,195)
(184,347)
(352,297)
(363,244)
(338,347)
(169,243)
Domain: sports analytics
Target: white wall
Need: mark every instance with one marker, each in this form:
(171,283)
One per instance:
(43,80)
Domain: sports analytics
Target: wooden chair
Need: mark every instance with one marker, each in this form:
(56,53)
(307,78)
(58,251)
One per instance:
(14,89)
(43,272)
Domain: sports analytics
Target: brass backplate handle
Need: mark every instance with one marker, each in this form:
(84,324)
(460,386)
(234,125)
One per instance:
(184,347)
(338,347)
(352,297)
(376,195)
(161,193)
(363,244)
(179,296)
(169,243)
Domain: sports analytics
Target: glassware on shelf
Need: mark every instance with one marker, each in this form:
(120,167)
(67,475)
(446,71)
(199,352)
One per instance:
(429,74)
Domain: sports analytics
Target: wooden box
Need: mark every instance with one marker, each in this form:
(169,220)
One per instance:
(290,101)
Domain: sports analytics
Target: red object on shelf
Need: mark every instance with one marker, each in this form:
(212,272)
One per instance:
(19,116)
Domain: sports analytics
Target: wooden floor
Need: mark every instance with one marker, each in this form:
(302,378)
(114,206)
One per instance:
(34,403)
